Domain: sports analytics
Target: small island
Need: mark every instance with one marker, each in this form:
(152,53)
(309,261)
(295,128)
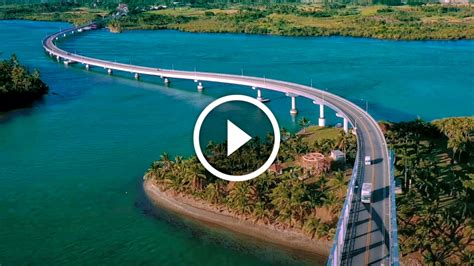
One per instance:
(296,203)
(18,87)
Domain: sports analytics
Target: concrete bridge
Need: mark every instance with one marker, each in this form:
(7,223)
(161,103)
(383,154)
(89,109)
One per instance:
(366,233)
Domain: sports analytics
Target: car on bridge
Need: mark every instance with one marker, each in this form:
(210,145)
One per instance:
(366,193)
(368,160)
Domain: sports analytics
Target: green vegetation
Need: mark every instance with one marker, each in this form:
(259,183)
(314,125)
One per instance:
(435,166)
(390,21)
(68,12)
(398,22)
(18,87)
(285,200)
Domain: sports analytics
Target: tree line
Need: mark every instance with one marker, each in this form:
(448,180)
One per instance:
(19,87)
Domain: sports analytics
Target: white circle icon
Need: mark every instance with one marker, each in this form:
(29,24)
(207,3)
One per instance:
(236,137)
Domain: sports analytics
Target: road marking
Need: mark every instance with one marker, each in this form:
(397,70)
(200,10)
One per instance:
(369,226)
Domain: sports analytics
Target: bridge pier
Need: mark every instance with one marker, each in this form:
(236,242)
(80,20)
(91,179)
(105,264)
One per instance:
(87,66)
(137,76)
(322,120)
(109,71)
(293,110)
(200,87)
(345,125)
(166,81)
(58,58)
(259,95)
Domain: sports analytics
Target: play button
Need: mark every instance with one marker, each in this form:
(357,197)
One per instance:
(236,137)
(243,125)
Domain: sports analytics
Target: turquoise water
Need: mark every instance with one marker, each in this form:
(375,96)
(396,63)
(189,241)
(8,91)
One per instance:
(71,166)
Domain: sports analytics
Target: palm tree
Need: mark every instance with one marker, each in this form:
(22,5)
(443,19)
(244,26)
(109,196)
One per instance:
(242,198)
(212,193)
(311,226)
(281,198)
(261,212)
(303,123)
(337,183)
(284,134)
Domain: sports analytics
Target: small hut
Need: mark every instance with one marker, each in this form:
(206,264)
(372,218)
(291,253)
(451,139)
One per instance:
(315,163)
(338,155)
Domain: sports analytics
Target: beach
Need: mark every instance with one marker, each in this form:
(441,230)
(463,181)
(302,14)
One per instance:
(202,211)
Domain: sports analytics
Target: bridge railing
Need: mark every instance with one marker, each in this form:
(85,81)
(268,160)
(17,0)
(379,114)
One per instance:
(335,255)
(394,259)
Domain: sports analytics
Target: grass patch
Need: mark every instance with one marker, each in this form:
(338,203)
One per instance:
(316,133)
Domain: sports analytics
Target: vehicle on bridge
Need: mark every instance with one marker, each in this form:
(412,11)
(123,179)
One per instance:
(366,193)
(368,160)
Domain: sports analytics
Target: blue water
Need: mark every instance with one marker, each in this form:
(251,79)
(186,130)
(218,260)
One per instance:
(71,166)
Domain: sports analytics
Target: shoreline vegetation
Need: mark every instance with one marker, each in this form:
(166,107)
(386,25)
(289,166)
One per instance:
(18,87)
(434,171)
(292,204)
(397,22)
(201,210)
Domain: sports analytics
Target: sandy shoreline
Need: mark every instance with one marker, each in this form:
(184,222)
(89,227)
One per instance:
(203,212)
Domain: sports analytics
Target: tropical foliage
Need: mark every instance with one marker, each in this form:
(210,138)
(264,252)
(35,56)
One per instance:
(435,167)
(413,23)
(329,18)
(281,200)
(18,87)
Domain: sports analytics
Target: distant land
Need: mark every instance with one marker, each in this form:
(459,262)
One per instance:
(416,21)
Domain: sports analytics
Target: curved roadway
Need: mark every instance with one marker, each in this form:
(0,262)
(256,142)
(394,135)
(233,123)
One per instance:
(367,238)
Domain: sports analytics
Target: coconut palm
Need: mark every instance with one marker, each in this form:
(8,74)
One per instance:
(311,226)
(242,198)
(260,212)
(212,193)
(303,123)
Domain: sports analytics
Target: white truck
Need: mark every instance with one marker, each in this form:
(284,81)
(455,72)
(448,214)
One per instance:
(366,193)
(368,160)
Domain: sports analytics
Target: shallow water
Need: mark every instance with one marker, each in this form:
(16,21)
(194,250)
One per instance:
(71,166)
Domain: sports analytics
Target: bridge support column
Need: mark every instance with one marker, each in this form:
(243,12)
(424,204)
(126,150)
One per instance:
(109,71)
(200,87)
(87,66)
(322,120)
(259,95)
(58,58)
(166,81)
(293,110)
(345,125)
(137,76)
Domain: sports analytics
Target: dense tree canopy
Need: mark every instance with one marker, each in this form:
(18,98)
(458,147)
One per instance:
(284,200)
(18,87)
(435,166)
